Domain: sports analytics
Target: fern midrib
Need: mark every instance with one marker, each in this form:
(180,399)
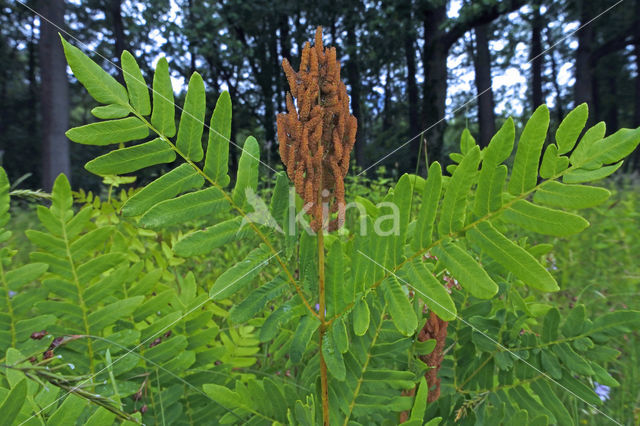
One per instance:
(490,215)
(365,366)
(235,207)
(5,284)
(76,281)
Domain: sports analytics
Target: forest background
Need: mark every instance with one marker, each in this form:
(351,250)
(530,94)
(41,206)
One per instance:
(416,70)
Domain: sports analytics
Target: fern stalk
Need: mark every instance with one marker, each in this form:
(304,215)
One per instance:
(83,306)
(324,382)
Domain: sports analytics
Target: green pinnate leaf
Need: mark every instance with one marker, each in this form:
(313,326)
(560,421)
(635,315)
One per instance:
(302,336)
(24,274)
(100,85)
(61,198)
(340,335)
(544,220)
(202,242)
(332,356)
(466,270)
(189,141)
(551,364)
(68,411)
(257,300)
(163,115)
(188,206)
(361,317)
(109,132)
(571,127)
(430,289)
(572,360)
(550,325)
(136,86)
(552,163)
(96,266)
(400,309)
(217,158)
(335,287)
(86,244)
(512,257)
(180,179)
(12,404)
(455,198)
(131,159)
(579,156)
(584,175)
(501,144)
(623,318)
(579,390)
(420,402)
(467,142)
(556,194)
(493,174)
(240,275)
(552,402)
(614,147)
(108,315)
(428,208)
(247,171)
(108,112)
(524,175)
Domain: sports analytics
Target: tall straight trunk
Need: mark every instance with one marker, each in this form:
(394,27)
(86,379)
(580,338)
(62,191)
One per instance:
(32,48)
(285,52)
(54,95)
(482,65)
(554,78)
(535,57)
(386,105)
(583,88)
(118,30)
(191,44)
(412,86)
(434,89)
(611,106)
(353,77)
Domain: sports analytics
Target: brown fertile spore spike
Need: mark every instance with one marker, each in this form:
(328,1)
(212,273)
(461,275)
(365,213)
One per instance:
(317,132)
(434,328)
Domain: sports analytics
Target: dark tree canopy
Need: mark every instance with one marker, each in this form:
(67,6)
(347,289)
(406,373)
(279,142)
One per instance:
(414,68)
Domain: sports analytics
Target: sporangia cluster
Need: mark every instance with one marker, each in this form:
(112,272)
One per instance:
(317,133)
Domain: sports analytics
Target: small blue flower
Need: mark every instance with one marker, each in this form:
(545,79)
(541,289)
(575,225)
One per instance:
(602,391)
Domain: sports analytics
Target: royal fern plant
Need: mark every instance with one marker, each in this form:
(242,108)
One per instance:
(427,308)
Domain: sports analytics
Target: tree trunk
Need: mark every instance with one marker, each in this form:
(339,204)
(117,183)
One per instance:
(583,88)
(353,77)
(554,78)
(434,89)
(54,95)
(412,86)
(191,44)
(387,119)
(118,31)
(437,43)
(537,98)
(482,65)
(285,52)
